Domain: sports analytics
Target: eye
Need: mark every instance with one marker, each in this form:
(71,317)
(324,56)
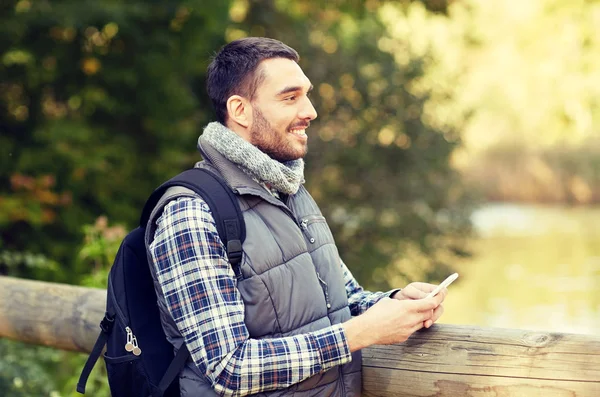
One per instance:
(291,98)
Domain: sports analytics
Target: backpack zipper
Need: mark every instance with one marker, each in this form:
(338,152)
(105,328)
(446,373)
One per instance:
(132,343)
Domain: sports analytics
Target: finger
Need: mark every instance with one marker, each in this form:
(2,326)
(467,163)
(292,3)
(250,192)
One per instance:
(416,319)
(416,327)
(439,298)
(413,292)
(428,321)
(442,295)
(429,303)
(426,316)
(437,313)
(425,287)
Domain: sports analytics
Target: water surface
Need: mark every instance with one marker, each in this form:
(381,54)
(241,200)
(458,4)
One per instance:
(534,267)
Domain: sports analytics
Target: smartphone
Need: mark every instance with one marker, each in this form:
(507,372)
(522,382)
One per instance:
(443,285)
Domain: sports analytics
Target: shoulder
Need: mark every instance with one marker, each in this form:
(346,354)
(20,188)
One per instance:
(189,211)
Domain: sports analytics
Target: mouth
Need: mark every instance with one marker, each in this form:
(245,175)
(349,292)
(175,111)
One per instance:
(298,131)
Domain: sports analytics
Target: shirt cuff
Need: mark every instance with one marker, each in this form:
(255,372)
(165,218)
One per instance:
(390,294)
(332,345)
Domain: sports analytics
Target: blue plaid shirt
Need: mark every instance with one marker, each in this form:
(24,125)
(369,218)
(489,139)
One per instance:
(200,289)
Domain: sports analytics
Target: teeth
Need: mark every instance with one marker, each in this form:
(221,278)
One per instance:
(299,132)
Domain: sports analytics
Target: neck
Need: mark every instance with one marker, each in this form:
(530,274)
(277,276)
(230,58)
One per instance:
(239,130)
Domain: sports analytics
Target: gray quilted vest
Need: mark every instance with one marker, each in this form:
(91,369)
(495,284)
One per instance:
(292,281)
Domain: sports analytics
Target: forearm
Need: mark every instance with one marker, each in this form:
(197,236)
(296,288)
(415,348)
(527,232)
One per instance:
(270,364)
(357,334)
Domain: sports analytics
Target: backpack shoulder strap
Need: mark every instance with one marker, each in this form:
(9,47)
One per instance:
(228,219)
(220,199)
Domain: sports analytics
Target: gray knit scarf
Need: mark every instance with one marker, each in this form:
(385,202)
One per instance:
(285,177)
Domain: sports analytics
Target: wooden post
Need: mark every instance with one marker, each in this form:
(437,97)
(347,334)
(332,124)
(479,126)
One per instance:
(56,315)
(445,361)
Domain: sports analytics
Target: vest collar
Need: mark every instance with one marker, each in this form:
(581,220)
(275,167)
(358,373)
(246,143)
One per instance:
(238,180)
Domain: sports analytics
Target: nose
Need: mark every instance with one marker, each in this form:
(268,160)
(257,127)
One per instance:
(308,111)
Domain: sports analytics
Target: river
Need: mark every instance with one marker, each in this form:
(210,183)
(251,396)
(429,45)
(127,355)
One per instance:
(534,267)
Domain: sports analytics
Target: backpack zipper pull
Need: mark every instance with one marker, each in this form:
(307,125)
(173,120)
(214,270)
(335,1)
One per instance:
(136,350)
(129,344)
(132,344)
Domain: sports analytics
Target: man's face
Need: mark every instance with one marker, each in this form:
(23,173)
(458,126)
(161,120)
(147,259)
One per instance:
(282,111)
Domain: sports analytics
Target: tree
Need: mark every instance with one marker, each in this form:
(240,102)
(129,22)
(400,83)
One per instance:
(378,163)
(96,109)
(100,101)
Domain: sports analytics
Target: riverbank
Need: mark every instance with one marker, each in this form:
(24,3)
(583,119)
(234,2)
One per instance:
(550,175)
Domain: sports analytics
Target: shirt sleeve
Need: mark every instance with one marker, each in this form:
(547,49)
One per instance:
(200,291)
(360,300)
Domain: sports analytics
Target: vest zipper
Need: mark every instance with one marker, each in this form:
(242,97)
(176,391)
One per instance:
(304,227)
(132,344)
(304,222)
(325,290)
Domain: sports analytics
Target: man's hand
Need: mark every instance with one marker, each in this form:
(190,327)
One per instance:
(417,290)
(390,321)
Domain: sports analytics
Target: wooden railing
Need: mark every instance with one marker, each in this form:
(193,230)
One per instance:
(445,360)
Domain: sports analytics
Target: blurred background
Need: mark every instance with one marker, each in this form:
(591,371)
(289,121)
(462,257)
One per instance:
(452,136)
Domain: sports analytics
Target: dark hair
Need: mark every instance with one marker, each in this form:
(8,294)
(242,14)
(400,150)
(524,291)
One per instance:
(233,71)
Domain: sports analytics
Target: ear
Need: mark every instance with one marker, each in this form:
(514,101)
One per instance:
(239,111)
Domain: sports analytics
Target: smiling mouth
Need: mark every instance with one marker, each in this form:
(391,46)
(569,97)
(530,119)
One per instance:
(299,129)
(298,132)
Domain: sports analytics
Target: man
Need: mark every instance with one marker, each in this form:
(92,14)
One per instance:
(295,321)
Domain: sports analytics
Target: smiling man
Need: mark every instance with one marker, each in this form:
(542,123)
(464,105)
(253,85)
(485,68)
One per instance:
(294,321)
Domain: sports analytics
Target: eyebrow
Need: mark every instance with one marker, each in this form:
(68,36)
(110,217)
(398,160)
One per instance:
(289,89)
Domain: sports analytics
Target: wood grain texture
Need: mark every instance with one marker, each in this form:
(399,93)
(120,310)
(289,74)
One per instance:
(445,360)
(57,315)
(493,352)
(451,360)
(381,382)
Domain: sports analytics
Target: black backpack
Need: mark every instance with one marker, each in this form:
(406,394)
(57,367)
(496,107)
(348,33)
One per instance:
(139,359)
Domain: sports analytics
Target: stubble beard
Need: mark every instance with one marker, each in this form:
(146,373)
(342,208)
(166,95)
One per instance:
(272,142)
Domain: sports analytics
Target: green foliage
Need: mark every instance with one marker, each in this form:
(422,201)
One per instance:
(68,376)
(530,72)
(34,371)
(27,370)
(378,162)
(99,250)
(96,108)
(100,101)
(528,77)
(105,103)
(24,370)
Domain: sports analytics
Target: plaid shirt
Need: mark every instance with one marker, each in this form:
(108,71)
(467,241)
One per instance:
(200,289)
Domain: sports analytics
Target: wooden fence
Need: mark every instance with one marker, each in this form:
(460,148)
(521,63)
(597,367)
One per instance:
(445,360)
